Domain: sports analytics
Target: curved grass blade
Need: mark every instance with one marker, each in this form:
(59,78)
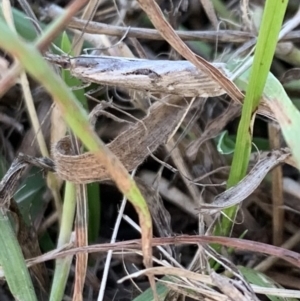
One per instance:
(77,119)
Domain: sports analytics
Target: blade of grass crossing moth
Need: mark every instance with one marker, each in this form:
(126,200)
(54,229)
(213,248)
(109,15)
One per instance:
(77,119)
(274,12)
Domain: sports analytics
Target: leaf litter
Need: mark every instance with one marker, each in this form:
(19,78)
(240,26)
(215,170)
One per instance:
(84,168)
(146,136)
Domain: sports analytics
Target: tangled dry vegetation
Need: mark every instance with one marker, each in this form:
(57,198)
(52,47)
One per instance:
(172,123)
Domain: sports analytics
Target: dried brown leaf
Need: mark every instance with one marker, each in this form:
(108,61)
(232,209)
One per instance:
(132,147)
(240,244)
(247,185)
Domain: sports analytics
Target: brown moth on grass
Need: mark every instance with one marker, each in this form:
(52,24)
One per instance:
(157,76)
(179,78)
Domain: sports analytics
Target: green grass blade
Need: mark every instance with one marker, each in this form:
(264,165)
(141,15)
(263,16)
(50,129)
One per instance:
(274,12)
(30,194)
(94,211)
(13,263)
(11,256)
(257,278)
(62,265)
(77,119)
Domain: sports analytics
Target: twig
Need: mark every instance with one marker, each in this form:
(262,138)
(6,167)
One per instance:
(223,36)
(277,188)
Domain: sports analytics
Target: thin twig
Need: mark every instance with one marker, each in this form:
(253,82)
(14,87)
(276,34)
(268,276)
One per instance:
(225,36)
(277,188)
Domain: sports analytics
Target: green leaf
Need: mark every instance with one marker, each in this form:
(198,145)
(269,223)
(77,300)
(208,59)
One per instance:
(30,196)
(225,145)
(94,211)
(147,295)
(257,278)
